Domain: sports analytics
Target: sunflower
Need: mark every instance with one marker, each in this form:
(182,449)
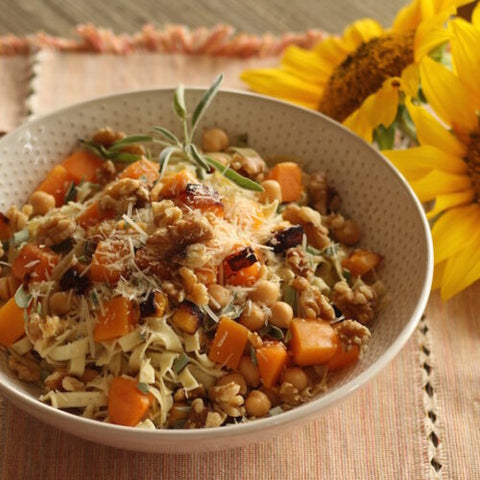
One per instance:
(356,79)
(445,168)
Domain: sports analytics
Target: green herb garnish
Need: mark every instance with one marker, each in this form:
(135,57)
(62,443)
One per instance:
(71,193)
(22,298)
(186,148)
(143,387)
(21,236)
(253,356)
(290,297)
(180,363)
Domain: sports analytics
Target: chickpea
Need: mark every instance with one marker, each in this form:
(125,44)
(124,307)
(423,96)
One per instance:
(257,404)
(249,371)
(219,295)
(42,202)
(282,315)
(235,378)
(60,303)
(253,317)
(349,233)
(266,292)
(272,192)
(297,377)
(214,140)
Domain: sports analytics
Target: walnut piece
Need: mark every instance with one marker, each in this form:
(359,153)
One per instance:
(16,219)
(55,230)
(357,304)
(187,230)
(165,213)
(43,331)
(298,262)
(26,368)
(106,173)
(195,290)
(351,332)
(251,166)
(119,194)
(289,394)
(312,303)
(227,399)
(324,198)
(311,221)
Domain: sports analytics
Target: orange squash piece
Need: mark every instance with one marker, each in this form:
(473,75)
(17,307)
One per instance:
(142,168)
(12,323)
(93,216)
(361,261)
(229,343)
(82,166)
(34,263)
(117,319)
(313,341)
(343,358)
(234,273)
(108,261)
(127,405)
(174,184)
(272,358)
(289,176)
(56,183)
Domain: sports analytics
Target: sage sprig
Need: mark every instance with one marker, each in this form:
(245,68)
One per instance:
(187,149)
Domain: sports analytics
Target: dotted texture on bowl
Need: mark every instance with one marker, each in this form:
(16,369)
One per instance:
(371,192)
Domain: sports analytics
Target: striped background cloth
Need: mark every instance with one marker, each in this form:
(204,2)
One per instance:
(418,419)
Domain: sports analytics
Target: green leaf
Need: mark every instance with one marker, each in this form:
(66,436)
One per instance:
(385,136)
(235,177)
(164,158)
(312,250)
(198,158)
(123,157)
(119,144)
(273,332)
(180,363)
(290,297)
(205,102)
(167,134)
(253,356)
(95,148)
(71,193)
(143,387)
(21,236)
(179,102)
(22,298)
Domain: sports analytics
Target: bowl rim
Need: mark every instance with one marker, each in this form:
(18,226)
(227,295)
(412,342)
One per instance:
(300,412)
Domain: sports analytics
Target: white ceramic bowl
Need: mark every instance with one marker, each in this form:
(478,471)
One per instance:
(373,193)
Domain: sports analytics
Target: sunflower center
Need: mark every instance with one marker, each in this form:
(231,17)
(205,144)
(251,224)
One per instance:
(364,71)
(472,159)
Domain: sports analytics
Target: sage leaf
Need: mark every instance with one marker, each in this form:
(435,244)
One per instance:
(199,158)
(205,102)
(179,102)
(164,157)
(167,134)
(119,144)
(123,157)
(22,298)
(180,363)
(235,177)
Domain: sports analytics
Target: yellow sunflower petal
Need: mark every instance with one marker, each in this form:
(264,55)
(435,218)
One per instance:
(454,230)
(462,270)
(447,96)
(451,200)
(408,17)
(416,162)
(307,65)
(278,83)
(438,275)
(411,80)
(380,108)
(438,183)
(333,50)
(358,123)
(430,34)
(476,16)
(465,45)
(361,31)
(431,132)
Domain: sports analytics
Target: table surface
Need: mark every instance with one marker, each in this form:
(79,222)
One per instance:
(58,17)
